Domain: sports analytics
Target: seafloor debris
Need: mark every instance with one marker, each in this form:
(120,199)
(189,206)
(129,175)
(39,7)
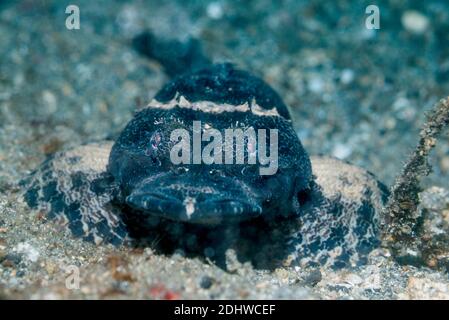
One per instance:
(403,224)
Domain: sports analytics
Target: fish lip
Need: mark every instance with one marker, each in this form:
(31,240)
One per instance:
(139,201)
(229,201)
(241,209)
(209,212)
(159,196)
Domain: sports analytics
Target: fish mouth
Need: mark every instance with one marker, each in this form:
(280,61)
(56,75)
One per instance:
(162,205)
(210,211)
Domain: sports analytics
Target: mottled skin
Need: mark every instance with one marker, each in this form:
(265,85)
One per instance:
(330,217)
(149,181)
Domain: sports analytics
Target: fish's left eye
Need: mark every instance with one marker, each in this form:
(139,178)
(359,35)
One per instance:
(155,140)
(153,145)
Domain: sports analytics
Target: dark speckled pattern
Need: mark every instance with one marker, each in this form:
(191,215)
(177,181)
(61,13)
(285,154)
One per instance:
(236,192)
(330,218)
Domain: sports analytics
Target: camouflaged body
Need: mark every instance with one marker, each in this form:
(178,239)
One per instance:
(338,226)
(312,211)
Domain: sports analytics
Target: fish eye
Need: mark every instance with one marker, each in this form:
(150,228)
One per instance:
(155,140)
(151,149)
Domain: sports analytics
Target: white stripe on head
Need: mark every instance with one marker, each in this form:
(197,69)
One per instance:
(212,107)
